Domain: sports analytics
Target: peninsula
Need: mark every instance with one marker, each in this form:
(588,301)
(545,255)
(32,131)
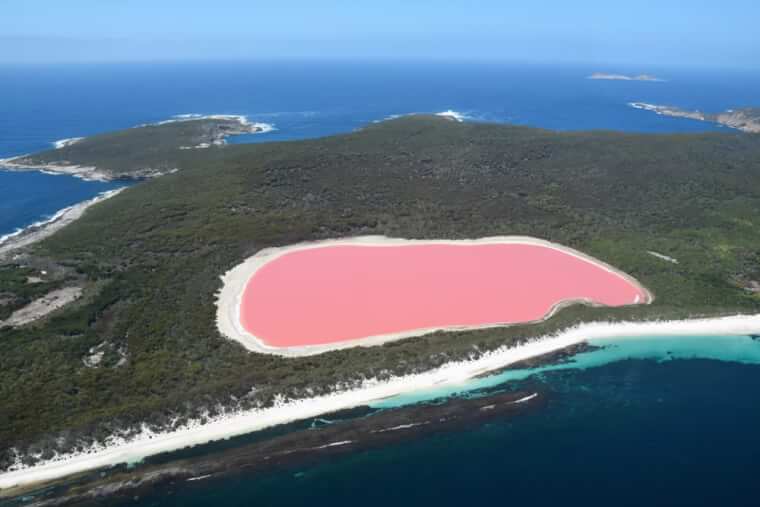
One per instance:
(145,151)
(132,362)
(746,119)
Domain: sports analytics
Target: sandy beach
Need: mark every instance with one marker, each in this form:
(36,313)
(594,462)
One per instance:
(234,283)
(117,450)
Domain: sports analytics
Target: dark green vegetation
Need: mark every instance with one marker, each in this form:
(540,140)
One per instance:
(142,151)
(155,252)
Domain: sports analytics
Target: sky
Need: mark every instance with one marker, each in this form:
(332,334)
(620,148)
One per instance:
(641,32)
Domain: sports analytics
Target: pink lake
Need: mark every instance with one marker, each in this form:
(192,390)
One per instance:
(330,294)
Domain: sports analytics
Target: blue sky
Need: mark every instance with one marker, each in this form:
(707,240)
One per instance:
(664,32)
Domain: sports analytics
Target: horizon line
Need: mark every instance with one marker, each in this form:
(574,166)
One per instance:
(600,66)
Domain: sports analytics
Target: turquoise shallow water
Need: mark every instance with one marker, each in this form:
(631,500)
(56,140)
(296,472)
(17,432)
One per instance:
(651,421)
(662,420)
(740,349)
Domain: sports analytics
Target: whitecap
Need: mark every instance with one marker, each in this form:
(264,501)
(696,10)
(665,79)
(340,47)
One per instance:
(453,115)
(62,143)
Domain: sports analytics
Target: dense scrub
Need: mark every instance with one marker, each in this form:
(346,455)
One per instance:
(155,252)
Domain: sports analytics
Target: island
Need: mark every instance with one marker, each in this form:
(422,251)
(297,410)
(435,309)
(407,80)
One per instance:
(745,119)
(623,77)
(130,360)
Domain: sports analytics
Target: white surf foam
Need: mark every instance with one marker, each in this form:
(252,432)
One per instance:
(36,225)
(453,115)
(260,127)
(264,128)
(62,143)
(74,209)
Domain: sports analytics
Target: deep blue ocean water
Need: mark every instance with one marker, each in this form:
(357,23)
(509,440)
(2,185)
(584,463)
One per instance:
(28,197)
(618,431)
(42,104)
(631,433)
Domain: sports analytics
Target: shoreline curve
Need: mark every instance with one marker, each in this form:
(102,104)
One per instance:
(116,450)
(44,228)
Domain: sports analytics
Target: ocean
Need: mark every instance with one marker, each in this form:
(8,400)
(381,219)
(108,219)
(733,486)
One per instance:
(656,421)
(42,104)
(652,425)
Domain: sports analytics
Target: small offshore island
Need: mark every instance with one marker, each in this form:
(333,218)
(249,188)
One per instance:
(623,77)
(121,350)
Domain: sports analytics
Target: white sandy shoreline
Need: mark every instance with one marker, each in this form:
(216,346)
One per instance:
(230,297)
(117,450)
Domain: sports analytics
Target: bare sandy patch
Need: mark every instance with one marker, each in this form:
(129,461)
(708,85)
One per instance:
(43,306)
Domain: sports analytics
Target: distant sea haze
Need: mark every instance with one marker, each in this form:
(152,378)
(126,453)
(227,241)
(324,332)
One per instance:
(45,105)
